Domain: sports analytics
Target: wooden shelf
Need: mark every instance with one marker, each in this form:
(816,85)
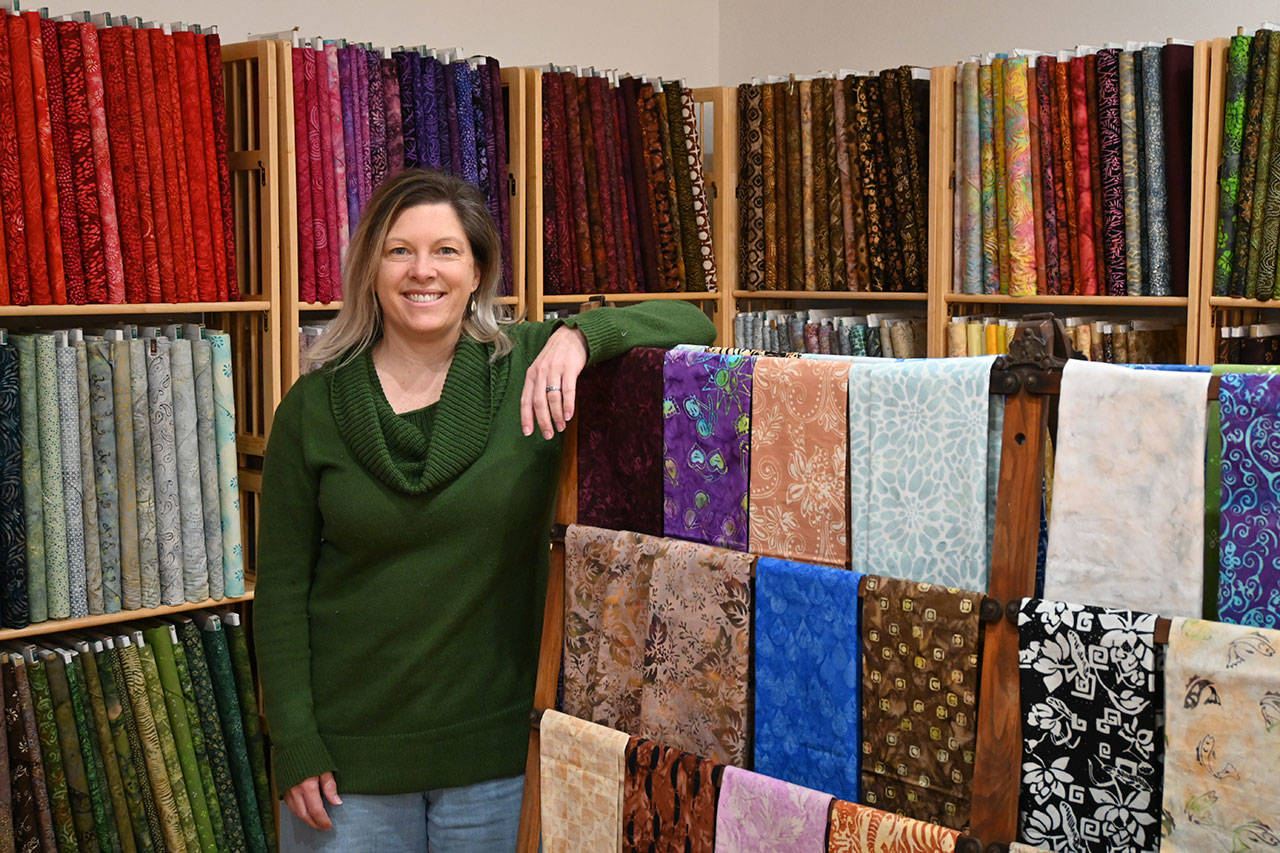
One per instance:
(1236,302)
(335,305)
(843,295)
(682,296)
(1110,301)
(124,309)
(53,626)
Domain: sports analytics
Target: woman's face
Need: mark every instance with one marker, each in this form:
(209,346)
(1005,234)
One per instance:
(426,275)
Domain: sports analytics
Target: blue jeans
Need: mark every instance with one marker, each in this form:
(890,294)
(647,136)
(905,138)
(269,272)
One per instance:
(480,818)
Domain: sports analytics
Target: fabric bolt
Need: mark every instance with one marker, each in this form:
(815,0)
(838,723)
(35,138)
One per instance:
(889,217)
(804,89)
(126,478)
(86,668)
(1095,166)
(1081,172)
(582,767)
(13,524)
(51,753)
(700,210)
(1129,158)
(392,107)
(1048,176)
(646,231)
(94,604)
(68,391)
(916,95)
(1000,154)
(95,772)
(148,556)
(102,426)
(578,91)
(807,642)
(1066,153)
(941,486)
(706,413)
(1233,112)
(1220,732)
(775,133)
(195,568)
(970,171)
(751,176)
(859,829)
(1059,122)
(406,68)
(337,144)
(238,648)
(1259,50)
(29,150)
(32,500)
(95,94)
(149,803)
(558,275)
(758,813)
(1256,262)
(833,148)
(318,91)
(168,746)
(662,175)
(987,174)
(129,96)
(165,797)
(1092,711)
(499,166)
(113,161)
(1037,172)
(1248,593)
(228,482)
(920,649)
(24,824)
(1112,171)
(82,204)
(165,64)
(202,750)
(1017,146)
(1157,222)
(350,190)
(1177,80)
(185,46)
(1140,95)
(18,286)
(68,744)
(133,778)
(61,220)
(620,458)
(207,443)
(799,420)
(669,799)
(153,104)
(32,734)
(313,248)
(51,490)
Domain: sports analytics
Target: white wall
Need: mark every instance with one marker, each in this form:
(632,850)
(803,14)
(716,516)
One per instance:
(637,37)
(761,37)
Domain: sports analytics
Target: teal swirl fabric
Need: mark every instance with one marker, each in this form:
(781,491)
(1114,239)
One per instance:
(144,468)
(202,358)
(195,577)
(72,479)
(163,450)
(918,469)
(1249,548)
(13,524)
(103,426)
(706,433)
(37,595)
(228,483)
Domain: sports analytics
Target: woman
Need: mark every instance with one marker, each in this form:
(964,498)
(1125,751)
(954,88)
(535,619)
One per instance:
(403,552)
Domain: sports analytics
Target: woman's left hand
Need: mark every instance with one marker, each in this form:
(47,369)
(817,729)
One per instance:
(551,383)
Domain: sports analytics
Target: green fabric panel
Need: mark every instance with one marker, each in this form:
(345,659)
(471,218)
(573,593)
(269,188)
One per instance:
(168,746)
(238,645)
(160,643)
(202,683)
(55,775)
(224,688)
(153,754)
(86,668)
(79,790)
(198,742)
(142,808)
(95,747)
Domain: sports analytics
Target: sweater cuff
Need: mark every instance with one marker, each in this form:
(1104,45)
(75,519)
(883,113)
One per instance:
(604,339)
(300,760)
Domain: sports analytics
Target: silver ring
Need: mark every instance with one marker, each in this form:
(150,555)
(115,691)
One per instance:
(551,388)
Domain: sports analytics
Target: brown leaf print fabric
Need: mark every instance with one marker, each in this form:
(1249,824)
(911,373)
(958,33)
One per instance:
(694,278)
(657,633)
(668,800)
(799,435)
(920,647)
(795,279)
(835,197)
(863,130)
(857,264)
(820,114)
(773,214)
(807,199)
(752,212)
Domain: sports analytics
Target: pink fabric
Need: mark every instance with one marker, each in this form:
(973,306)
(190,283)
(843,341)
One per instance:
(339,194)
(304,183)
(760,814)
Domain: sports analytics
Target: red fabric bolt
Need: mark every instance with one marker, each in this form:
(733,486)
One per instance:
(112,44)
(213,46)
(335,188)
(158,195)
(84,173)
(47,175)
(17,283)
(64,171)
(302,157)
(1087,270)
(212,193)
(184,46)
(173,148)
(99,134)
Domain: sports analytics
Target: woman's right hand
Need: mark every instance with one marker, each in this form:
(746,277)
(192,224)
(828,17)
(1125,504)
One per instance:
(305,800)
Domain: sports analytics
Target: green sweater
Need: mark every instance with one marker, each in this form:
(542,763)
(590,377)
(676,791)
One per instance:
(402,564)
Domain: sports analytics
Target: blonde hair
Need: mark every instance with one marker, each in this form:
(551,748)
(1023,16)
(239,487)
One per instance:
(358,325)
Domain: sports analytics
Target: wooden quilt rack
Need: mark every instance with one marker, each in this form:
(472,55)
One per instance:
(1029,378)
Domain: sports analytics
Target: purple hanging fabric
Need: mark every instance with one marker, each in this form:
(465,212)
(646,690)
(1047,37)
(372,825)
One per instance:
(361,119)
(378,146)
(465,117)
(428,112)
(449,125)
(498,167)
(391,105)
(351,149)
(706,432)
(407,74)
(481,96)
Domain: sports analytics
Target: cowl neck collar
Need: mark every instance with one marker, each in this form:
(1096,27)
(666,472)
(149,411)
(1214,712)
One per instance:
(393,449)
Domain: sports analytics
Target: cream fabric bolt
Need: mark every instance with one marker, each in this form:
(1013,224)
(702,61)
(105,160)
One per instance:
(581,777)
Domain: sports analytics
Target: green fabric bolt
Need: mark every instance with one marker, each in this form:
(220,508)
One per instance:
(51,752)
(1229,169)
(166,807)
(1259,48)
(57,571)
(133,769)
(126,477)
(238,646)
(1261,273)
(168,746)
(84,672)
(224,688)
(160,643)
(198,743)
(37,594)
(80,790)
(214,741)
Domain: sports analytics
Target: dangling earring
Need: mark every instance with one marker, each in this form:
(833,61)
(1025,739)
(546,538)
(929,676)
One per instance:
(471,306)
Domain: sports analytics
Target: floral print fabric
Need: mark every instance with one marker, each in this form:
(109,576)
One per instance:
(1091,705)
(1223,737)
(668,800)
(859,829)
(582,768)
(758,813)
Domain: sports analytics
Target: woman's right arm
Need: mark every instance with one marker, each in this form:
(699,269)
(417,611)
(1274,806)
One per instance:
(288,547)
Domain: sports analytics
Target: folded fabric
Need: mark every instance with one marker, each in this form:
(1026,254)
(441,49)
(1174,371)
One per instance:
(1222,746)
(668,800)
(1091,734)
(706,439)
(860,829)
(760,814)
(799,428)
(919,456)
(582,765)
(808,675)
(1127,528)
(920,647)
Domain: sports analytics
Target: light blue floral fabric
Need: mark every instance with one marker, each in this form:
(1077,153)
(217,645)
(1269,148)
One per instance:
(808,676)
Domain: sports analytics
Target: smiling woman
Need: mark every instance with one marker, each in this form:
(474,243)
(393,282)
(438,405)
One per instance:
(404,551)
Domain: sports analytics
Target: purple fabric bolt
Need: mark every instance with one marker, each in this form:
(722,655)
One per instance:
(759,813)
(377,119)
(351,149)
(360,102)
(481,94)
(1112,169)
(498,167)
(407,74)
(706,431)
(464,109)
(394,129)
(427,112)
(450,127)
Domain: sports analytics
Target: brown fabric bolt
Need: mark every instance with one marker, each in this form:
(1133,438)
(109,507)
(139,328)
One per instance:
(668,800)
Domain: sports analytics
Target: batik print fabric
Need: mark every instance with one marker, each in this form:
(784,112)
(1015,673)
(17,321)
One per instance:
(808,664)
(920,647)
(799,434)
(919,459)
(759,814)
(1091,730)
(1126,528)
(668,800)
(706,417)
(860,829)
(1249,549)
(582,767)
(1223,737)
